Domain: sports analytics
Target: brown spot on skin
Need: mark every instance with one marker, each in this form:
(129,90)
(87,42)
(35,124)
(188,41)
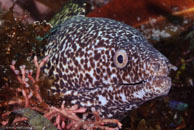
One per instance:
(73,81)
(70,68)
(77,53)
(69,82)
(124,76)
(119,77)
(101,44)
(76,70)
(103,54)
(115,80)
(104,58)
(48,65)
(81,77)
(74,47)
(89,77)
(57,86)
(97,98)
(98,70)
(66,70)
(76,63)
(90,54)
(61,66)
(53,60)
(105,93)
(81,53)
(82,61)
(107,53)
(57,77)
(82,45)
(64,61)
(86,54)
(67,52)
(89,69)
(97,83)
(107,63)
(64,77)
(97,77)
(86,60)
(68,55)
(87,83)
(112,65)
(70,76)
(85,66)
(97,56)
(112,53)
(62,83)
(119,98)
(87,49)
(59,72)
(92,101)
(95,52)
(92,64)
(101,74)
(51,71)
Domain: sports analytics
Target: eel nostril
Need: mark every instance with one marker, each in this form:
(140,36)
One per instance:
(172,67)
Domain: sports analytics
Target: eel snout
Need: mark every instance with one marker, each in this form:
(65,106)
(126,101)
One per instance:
(160,82)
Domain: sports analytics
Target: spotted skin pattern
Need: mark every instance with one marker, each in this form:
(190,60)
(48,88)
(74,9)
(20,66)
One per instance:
(81,52)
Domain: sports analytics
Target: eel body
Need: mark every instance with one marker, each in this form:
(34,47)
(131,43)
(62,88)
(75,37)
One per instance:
(105,65)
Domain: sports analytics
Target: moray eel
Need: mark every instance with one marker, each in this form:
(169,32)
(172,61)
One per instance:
(104,65)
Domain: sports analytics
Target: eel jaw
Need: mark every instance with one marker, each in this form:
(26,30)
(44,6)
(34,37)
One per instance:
(148,89)
(155,85)
(158,85)
(160,82)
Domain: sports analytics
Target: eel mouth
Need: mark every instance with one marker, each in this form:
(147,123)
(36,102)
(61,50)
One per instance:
(157,85)
(135,83)
(159,78)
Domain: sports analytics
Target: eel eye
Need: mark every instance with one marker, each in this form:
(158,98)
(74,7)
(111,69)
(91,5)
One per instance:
(120,58)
